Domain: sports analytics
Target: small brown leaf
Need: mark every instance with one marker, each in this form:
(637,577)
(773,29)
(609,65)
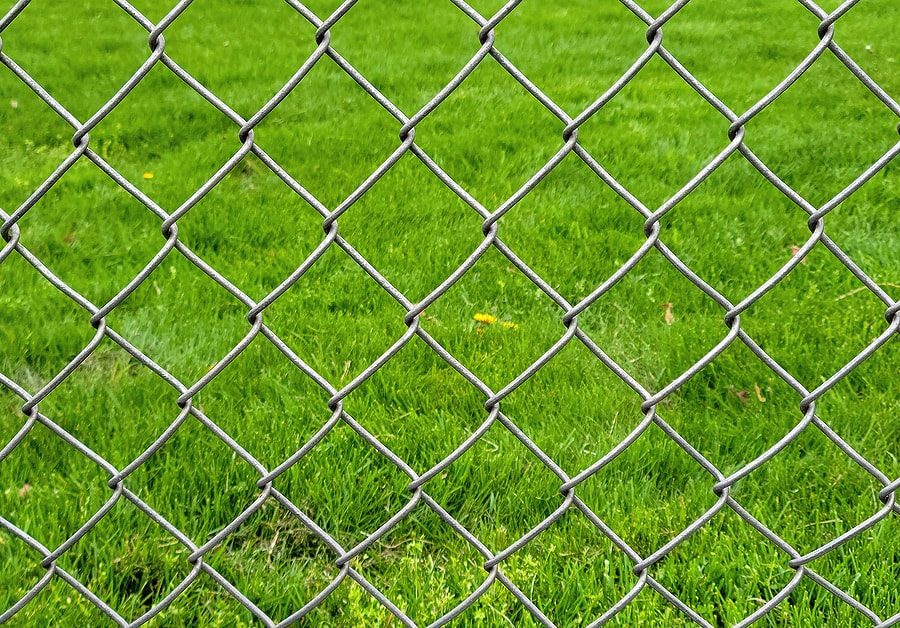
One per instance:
(26,488)
(759,394)
(795,250)
(743,395)
(668,316)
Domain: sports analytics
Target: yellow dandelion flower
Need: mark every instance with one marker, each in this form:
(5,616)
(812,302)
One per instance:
(485,318)
(148,175)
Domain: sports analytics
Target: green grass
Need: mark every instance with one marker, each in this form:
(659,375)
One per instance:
(735,231)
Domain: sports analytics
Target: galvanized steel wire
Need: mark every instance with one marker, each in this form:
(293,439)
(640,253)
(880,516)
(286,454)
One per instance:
(183,393)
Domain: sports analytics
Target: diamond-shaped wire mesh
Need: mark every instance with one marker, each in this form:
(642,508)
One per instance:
(334,412)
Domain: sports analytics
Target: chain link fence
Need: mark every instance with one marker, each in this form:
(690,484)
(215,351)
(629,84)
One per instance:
(494,558)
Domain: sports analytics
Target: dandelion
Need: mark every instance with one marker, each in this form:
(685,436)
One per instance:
(485,318)
(148,175)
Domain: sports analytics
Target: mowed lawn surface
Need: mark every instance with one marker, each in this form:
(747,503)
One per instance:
(735,231)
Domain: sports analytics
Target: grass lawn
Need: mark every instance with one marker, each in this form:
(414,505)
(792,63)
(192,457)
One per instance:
(735,231)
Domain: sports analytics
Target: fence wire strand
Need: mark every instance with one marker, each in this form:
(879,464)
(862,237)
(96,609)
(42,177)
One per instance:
(484,30)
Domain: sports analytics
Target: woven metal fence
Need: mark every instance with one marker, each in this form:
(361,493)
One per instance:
(183,393)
